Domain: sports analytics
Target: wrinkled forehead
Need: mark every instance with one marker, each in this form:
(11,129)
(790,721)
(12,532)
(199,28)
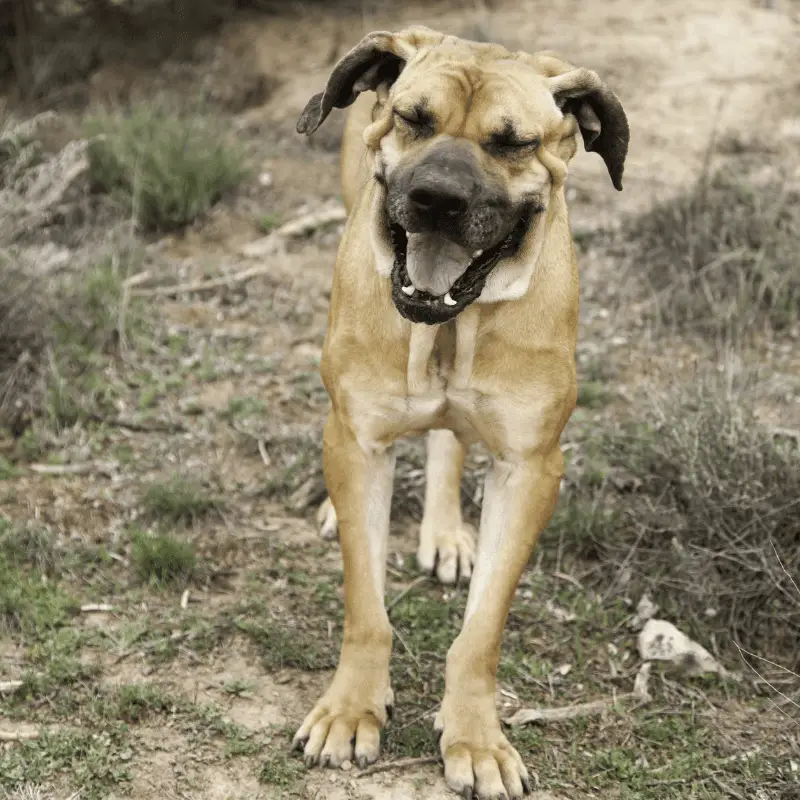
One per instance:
(471,90)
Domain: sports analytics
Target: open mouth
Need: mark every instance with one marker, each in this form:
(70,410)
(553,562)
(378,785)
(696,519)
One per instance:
(417,305)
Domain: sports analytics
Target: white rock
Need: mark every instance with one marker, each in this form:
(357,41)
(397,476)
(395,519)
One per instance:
(662,641)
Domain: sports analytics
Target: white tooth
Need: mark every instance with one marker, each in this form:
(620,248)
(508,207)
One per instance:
(448,301)
(477,254)
(409,290)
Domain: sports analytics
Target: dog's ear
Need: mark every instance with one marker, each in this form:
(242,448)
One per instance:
(377,59)
(597,110)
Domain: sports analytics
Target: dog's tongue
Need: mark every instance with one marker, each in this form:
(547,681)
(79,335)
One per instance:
(434,263)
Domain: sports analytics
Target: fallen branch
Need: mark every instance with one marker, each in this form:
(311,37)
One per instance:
(18,736)
(103,467)
(269,244)
(6,687)
(639,694)
(97,608)
(402,763)
(300,226)
(139,427)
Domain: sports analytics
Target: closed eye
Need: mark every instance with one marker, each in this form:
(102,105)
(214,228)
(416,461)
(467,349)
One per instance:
(510,144)
(418,119)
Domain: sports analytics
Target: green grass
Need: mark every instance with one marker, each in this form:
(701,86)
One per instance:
(593,395)
(268,222)
(162,559)
(179,500)
(93,762)
(30,604)
(165,167)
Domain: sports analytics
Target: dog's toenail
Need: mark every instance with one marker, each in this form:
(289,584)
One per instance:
(448,300)
(362,762)
(310,761)
(389,712)
(409,290)
(467,793)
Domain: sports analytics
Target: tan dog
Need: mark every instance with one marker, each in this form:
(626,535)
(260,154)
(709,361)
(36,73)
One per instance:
(454,310)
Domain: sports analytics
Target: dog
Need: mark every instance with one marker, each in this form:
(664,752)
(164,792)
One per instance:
(453,311)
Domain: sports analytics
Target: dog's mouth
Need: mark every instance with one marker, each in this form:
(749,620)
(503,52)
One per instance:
(436,263)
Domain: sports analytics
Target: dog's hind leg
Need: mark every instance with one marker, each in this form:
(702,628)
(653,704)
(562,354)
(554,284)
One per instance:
(345,724)
(446,543)
(327,524)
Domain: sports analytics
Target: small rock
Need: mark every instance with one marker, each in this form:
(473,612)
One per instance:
(347,766)
(662,641)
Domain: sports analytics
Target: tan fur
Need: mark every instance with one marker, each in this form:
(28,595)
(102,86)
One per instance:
(502,373)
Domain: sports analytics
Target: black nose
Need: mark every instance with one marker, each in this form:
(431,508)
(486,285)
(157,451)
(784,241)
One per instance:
(439,197)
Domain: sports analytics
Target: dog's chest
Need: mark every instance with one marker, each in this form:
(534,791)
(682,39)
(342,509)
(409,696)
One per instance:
(435,394)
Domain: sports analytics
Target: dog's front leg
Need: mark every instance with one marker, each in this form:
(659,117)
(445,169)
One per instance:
(518,502)
(346,722)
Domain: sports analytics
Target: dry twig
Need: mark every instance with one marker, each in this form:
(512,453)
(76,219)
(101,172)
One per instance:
(18,736)
(639,694)
(402,763)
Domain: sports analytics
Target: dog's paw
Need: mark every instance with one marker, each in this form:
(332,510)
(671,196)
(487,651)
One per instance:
(448,553)
(344,727)
(327,524)
(479,762)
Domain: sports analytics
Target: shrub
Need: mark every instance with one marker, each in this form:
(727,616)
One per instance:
(166,168)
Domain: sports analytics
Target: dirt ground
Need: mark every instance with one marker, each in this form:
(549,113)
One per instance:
(237,662)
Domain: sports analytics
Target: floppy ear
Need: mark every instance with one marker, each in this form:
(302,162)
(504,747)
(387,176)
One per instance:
(378,58)
(597,110)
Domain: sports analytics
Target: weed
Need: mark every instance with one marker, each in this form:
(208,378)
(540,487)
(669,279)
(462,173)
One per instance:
(162,559)
(281,769)
(93,762)
(592,395)
(179,500)
(138,701)
(30,603)
(693,505)
(166,168)
(723,256)
(268,222)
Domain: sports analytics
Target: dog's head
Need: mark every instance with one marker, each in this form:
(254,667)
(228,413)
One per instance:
(469,141)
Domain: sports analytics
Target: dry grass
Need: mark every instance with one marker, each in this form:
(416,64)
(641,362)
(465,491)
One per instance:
(701,505)
(722,258)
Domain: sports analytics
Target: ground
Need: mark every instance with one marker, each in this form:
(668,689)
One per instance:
(168,604)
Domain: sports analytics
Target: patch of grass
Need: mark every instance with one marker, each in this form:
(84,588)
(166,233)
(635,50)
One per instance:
(162,559)
(55,339)
(179,500)
(165,167)
(92,762)
(281,769)
(699,505)
(137,701)
(722,257)
(281,648)
(593,395)
(268,222)
(30,603)
(29,545)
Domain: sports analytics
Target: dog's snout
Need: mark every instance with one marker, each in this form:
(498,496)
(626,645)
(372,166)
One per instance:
(443,185)
(440,197)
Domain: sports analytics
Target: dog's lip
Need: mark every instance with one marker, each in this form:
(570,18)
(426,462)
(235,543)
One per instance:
(419,306)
